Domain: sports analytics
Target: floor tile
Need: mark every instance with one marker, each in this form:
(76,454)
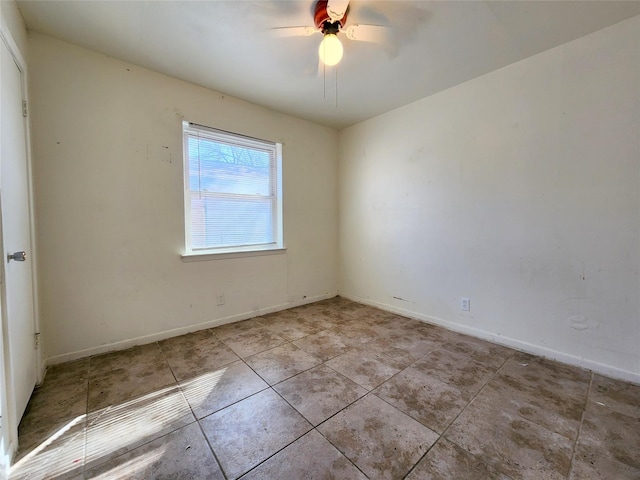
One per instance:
(428,331)
(379,439)
(389,320)
(486,353)
(404,348)
(613,438)
(311,457)
(595,464)
(319,393)
(354,309)
(590,463)
(253,341)
(551,378)
(366,369)
(457,370)
(447,461)
(117,429)
(118,377)
(410,338)
(324,345)
(360,332)
(426,399)
(65,374)
(326,318)
(235,328)
(509,443)
(279,315)
(49,410)
(122,359)
(281,363)
(292,328)
(248,432)
(196,353)
(621,396)
(217,389)
(309,308)
(183,453)
(560,414)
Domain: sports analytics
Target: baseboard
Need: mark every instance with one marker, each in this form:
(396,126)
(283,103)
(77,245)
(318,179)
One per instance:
(526,347)
(121,345)
(516,344)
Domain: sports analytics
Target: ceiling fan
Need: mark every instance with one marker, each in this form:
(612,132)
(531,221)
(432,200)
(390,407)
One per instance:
(330,18)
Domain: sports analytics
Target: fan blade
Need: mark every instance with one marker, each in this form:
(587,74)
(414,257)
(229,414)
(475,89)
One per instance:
(336,9)
(294,31)
(367,33)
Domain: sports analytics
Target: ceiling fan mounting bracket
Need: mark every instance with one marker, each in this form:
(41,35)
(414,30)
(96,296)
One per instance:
(328,27)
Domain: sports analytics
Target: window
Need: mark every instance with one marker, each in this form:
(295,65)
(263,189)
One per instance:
(233,192)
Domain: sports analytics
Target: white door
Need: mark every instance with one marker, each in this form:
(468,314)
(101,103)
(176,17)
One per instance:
(18,309)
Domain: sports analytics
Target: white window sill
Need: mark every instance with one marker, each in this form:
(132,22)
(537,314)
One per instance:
(224,254)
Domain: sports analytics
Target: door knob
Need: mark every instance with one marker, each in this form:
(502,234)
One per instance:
(18,256)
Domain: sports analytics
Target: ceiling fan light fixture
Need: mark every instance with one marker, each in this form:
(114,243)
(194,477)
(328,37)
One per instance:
(330,50)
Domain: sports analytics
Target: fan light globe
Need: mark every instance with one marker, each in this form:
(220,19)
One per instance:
(330,50)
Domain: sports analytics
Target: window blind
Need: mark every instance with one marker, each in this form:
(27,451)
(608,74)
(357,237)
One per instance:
(231,190)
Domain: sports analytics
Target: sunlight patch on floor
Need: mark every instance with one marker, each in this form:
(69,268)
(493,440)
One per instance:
(118,429)
(200,387)
(131,467)
(60,454)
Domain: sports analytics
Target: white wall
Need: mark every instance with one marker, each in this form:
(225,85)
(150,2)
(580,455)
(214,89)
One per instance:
(107,152)
(519,189)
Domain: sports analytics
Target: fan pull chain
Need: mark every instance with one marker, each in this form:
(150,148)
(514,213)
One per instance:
(324,81)
(336,87)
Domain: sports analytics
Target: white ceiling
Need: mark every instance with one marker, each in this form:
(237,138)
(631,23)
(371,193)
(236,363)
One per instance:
(230,47)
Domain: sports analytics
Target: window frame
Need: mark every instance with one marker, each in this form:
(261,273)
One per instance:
(190,129)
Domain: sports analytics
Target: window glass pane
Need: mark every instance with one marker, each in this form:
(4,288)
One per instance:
(226,168)
(219,222)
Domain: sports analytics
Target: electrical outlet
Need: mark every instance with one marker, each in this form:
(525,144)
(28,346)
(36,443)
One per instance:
(465,304)
(220,299)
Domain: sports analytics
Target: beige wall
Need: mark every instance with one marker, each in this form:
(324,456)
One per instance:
(107,157)
(12,19)
(519,189)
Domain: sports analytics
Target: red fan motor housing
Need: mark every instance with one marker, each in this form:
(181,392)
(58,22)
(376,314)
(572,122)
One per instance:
(322,20)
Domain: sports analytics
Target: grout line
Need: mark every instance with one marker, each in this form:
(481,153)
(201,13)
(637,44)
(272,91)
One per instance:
(584,411)
(313,428)
(495,374)
(195,417)
(442,435)
(86,421)
(368,391)
(231,404)
(338,449)
(286,446)
(206,439)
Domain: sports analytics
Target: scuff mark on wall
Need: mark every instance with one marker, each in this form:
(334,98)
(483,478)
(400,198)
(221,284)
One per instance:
(403,300)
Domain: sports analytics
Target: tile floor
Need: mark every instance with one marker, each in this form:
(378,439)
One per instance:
(331,390)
